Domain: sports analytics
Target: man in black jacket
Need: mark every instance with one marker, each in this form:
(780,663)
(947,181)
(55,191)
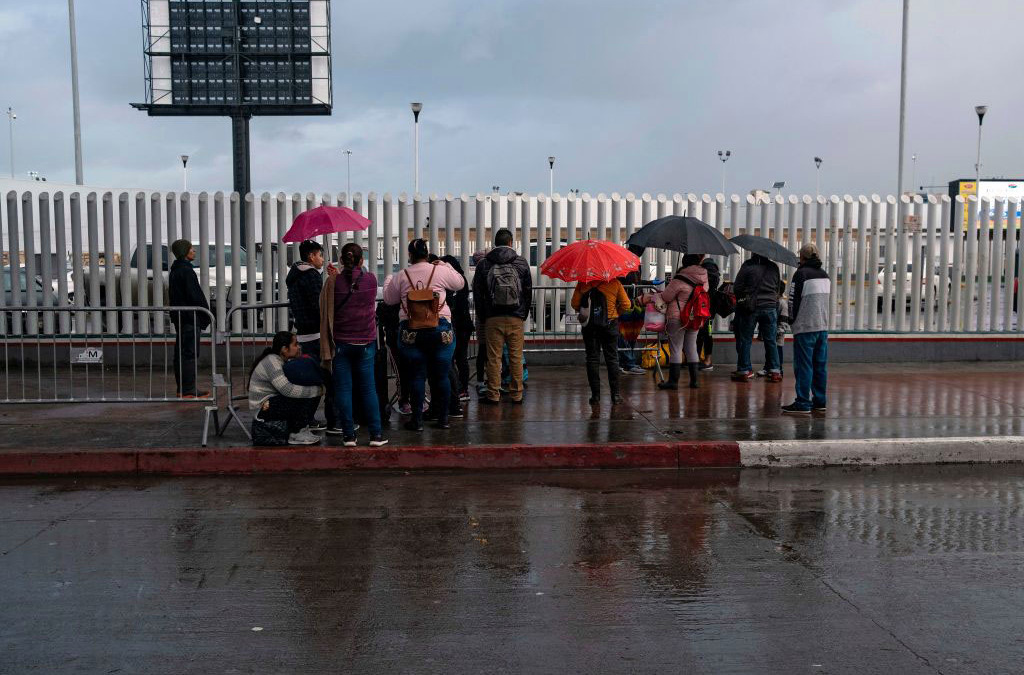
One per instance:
(184,291)
(757,289)
(304,282)
(502,295)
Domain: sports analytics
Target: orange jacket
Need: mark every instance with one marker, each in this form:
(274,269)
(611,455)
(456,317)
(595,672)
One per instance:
(614,293)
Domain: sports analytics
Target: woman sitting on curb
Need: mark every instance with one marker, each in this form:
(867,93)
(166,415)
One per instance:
(273,397)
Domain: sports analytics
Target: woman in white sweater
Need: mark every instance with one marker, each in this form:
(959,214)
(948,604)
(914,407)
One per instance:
(273,397)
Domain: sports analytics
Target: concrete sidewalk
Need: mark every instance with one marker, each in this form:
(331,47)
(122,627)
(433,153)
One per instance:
(722,424)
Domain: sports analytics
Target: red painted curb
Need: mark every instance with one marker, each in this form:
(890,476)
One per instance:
(249,460)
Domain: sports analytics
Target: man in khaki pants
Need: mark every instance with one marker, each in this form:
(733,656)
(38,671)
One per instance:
(502,296)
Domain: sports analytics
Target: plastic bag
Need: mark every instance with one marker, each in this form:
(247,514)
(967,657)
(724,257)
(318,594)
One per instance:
(654,320)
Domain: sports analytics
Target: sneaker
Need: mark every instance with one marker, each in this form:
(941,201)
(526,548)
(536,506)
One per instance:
(457,414)
(464,395)
(349,442)
(317,425)
(763,372)
(740,376)
(794,409)
(819,408)
(334,431)
(705,366)
(617,399)
(775,377)
(443,424)
(377,441)
(412,425)
(625,371)
(300,438)
(481,389)
(637,370)
(404,409)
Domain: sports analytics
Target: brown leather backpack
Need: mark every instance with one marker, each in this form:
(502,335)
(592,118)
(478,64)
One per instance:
(423,304)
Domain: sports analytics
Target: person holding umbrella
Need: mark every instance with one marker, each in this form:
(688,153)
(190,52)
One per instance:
(682,341)
(599,297)
(757,302)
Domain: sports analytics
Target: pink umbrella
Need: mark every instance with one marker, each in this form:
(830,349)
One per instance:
(325,220)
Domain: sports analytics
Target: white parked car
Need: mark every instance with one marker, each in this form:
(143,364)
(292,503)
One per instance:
(890,279)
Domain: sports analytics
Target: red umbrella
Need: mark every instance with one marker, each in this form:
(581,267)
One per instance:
(590,260)
(325,220)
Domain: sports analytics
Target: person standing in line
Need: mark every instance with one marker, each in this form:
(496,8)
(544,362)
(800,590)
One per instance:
(426,338)
(705,337)
(757,306)
(629,364)
(682,341)
(503,293)
(305,281)
(604,301)
(481,343)
(462,322)
(273,397)
(781,329)
(184,291)
(351,325)
(809,292)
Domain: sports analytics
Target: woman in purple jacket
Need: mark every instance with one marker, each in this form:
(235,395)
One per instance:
(355,339)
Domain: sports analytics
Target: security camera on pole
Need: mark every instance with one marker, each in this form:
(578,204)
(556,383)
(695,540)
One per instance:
(416,108)
(551,175)
(184,173)
(817,176)
(723,156)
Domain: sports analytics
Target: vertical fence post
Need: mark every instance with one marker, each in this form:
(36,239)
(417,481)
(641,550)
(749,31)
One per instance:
(495,202)
(252,276)
(171,220)
(159,261)
(616,218)
(268,256)
(981,244)
(931,208)
(110,289)
(389,240)
(222,292)
(93,295)
(417,216)
(480,207)
(77,273)
(539,316)
(280,290)
(864,217)
(141,263)
(28,236)
(834,233)
(871,278)
(14,245)
(124,221)
(996,267)
(915,263)
(203,247)
(526,223)
(602,217)
(1009,258)
(186,215)
(434,208)
(403,230)
(465,250)
(585,218)
(7,262)
(45,260)
(848,258)
(661,255)
(449,224)
(733,261)
(946,269)
(899,264)
(967,235)
(236,261)
(373,260)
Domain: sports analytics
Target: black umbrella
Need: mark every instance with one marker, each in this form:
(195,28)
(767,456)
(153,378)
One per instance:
(683,234)
(767,248)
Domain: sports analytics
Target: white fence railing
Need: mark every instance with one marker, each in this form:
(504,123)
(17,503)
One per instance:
(80,249)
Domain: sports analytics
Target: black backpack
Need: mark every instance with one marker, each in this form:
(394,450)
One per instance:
(593,308)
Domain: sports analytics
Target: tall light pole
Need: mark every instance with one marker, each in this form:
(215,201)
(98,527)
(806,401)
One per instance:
(11,116)
(416,108)
(551,175)
(348,173)
(981,110)
(184,173)
(74,94)
(903,97)
(817,177)
(723,156)
(913,172)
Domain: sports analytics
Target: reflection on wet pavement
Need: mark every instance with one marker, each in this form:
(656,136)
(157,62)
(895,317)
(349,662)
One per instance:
(908,570)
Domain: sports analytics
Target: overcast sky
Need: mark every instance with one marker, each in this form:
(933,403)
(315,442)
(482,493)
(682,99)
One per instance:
(629,96)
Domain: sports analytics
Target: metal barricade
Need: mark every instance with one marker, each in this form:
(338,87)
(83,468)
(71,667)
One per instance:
(141,366)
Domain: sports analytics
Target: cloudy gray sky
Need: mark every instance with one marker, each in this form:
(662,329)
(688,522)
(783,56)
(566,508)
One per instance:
(630,96)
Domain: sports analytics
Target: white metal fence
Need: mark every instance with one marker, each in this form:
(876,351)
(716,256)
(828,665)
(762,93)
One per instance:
(944,276)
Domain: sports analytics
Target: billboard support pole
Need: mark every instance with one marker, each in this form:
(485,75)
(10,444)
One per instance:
(240,160)
(903,97)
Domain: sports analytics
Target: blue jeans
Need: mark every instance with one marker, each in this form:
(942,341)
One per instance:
(765,319)
(353,373)
(430,355)
(627,357)
(810,369)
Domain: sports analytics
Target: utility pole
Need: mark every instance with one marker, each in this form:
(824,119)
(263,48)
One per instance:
(348,174)
(79,179)
(980,110)
(903,97)
(11,116)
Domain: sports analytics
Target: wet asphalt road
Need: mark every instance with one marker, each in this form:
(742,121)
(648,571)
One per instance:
(902,570)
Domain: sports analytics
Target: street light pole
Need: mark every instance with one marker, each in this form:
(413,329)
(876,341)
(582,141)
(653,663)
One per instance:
(723,156)
(348,174)
(903,97)
(11,116)
(74,94)
(980,110)
(416,108)
(913,173)
(817,177)
(184,173)
(551,175)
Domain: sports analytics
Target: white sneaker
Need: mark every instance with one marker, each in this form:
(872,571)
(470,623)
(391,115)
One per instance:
(301,438)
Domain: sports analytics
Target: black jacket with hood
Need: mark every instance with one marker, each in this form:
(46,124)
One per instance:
(304,285)
(502,255)
(759,277)
(183,290)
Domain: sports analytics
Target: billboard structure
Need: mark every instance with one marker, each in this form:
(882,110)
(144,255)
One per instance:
(237,58)
(1003,188)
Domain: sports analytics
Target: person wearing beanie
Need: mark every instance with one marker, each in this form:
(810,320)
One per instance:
(184,291)
(809,293)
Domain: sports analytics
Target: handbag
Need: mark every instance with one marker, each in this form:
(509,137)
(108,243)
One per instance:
(269,432)
(654,321)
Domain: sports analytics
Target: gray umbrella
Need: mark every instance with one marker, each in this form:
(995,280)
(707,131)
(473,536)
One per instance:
(683,234)
(767,248)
